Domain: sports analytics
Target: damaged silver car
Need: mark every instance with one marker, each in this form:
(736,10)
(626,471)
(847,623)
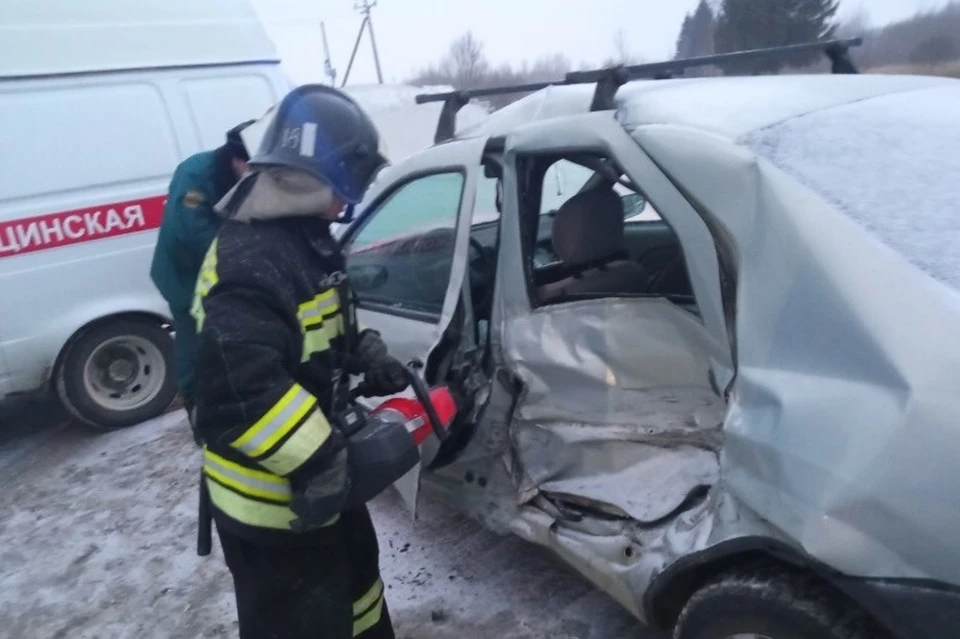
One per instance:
(706,333)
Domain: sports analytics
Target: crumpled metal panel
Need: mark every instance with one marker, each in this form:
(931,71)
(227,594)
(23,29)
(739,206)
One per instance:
(617,397)
(843,427)
(623,557)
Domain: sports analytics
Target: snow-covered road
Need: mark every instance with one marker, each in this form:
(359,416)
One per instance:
(97,540)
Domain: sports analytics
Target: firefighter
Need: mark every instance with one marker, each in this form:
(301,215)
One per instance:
(189,225)
(278,342)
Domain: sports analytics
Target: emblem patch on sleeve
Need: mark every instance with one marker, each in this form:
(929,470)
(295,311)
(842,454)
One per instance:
(193,199)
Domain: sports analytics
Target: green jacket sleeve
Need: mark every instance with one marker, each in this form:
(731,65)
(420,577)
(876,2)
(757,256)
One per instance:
(197,223)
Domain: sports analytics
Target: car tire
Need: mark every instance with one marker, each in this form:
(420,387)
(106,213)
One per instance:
(117,374)
(771,603)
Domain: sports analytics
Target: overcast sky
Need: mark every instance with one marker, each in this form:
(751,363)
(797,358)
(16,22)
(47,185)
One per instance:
(414,33)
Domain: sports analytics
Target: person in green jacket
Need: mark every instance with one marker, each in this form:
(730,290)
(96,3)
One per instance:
(186,232)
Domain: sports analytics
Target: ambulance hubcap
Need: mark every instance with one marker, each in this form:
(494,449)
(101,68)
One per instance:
(124,373)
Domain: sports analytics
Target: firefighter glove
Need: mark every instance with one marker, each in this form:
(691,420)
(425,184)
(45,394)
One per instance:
(370,350)
(385,377)
(383,374)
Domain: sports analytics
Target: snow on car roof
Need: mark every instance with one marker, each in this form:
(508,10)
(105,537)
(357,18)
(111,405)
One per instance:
(890,162)
(729,106)
(735,106)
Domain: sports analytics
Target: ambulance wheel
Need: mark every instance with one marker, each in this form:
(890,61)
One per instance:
(771,603)
(117,374)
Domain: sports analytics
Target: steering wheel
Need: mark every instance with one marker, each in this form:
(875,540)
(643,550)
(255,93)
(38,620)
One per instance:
(481,270)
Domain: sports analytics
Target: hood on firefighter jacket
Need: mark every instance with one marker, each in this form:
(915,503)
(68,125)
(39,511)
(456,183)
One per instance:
(275,192)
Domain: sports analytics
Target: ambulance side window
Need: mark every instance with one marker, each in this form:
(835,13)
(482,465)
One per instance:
(400,260)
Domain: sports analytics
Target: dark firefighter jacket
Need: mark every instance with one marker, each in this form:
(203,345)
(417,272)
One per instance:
(271,330)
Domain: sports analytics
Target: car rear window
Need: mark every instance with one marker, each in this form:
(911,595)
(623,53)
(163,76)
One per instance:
(891,163)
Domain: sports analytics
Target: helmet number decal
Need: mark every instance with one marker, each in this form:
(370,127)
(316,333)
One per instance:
(304,137)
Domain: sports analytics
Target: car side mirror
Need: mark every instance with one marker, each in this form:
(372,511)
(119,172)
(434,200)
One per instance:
(367,277)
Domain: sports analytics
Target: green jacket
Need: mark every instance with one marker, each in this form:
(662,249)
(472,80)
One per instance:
(189,225)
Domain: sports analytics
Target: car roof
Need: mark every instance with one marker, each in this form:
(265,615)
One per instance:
(727,106)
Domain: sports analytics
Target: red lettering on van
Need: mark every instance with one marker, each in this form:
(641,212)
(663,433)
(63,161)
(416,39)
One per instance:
(49,231)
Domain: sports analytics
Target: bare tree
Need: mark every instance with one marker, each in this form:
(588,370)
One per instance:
(465,62)
(621,48)
(857,24)
(926,38)
(465,66)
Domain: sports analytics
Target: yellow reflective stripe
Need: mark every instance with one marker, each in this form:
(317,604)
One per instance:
(206,280)
(305,441)
(246,480)
(317,338)
(312,313)
(365,617)
(369,620)
(367,600)
(249,511)
(252,512)
(314,341)
(277,423)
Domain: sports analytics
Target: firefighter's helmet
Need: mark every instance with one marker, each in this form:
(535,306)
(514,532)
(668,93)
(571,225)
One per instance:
(324,132)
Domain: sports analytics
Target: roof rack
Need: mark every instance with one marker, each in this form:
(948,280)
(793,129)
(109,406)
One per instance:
(610,79)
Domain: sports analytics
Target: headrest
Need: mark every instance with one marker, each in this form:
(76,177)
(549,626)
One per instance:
(589,227)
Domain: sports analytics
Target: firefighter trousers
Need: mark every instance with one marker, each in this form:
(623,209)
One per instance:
(328,590)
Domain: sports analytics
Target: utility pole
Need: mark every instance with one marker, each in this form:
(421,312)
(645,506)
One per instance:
(327,62)
(364,7)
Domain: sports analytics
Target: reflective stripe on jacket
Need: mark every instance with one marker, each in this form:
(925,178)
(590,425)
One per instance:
(270,335)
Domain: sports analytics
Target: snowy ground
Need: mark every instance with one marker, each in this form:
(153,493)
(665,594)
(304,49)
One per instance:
(97,540)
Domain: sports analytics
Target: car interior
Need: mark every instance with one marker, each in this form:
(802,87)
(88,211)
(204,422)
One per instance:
(603,239)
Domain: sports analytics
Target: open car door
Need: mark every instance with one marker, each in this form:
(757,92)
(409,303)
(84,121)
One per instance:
(407,254)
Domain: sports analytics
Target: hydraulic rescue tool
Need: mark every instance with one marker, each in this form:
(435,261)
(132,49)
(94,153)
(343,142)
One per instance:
(381,446)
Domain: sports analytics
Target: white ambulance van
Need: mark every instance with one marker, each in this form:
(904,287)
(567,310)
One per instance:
(99,102)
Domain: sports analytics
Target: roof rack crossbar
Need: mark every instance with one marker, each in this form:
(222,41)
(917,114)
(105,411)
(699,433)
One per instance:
(672,66)
(423,98)
(609,80)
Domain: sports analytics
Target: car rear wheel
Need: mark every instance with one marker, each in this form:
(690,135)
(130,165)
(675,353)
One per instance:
(770,603)
(117,374)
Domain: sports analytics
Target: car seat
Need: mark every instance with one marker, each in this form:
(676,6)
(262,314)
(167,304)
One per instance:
(588,238)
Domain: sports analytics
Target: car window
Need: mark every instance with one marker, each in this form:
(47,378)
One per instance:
(561,182)
(402,256)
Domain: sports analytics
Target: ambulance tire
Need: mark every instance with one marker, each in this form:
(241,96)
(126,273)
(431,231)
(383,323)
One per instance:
(117,373)
(769,602)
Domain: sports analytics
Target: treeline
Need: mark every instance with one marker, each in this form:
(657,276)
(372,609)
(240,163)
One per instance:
(927,39)
(716,26)
(466,66)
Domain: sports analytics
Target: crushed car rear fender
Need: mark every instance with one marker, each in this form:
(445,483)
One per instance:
(842,427)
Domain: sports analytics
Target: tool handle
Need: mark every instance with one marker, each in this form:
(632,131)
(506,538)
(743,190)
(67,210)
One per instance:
(423,396)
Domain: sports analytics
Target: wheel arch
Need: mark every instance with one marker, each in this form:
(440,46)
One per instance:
(673,588)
